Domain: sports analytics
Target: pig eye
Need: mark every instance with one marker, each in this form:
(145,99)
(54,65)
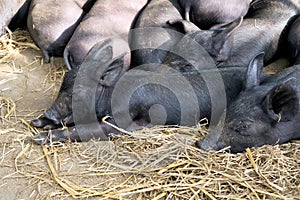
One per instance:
(242,125)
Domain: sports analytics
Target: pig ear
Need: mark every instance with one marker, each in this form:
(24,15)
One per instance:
(101,52)
(254,70)
(113,71)
(282,102)
(101,64)
(222,42)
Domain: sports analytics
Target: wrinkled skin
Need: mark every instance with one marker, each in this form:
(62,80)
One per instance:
(111,19)
(185,95)
(154,20)
(236,43)
(294,41)
(207,14)
(14,12)
(266,113)
(52,23)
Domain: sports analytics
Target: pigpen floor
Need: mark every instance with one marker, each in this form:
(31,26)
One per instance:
(157,163)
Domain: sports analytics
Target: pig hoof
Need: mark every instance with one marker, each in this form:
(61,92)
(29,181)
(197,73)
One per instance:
(50,137)
(40,122)
(42,138)
(36,123)
(46,56)
(44,123)
(50,127)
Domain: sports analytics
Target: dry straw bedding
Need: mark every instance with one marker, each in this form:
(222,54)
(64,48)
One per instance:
(156,163)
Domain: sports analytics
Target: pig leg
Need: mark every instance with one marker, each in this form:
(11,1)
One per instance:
(80,133)
(59,113)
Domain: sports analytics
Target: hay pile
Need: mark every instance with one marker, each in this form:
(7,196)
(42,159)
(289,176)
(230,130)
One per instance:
(156,163)
(162,163)
(14,43)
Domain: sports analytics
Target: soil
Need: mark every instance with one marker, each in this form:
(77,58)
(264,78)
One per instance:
(30,85)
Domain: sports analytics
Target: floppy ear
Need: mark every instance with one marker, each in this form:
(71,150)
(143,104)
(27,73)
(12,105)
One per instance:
(282,102)
(99,64)
(254,70)
(222,42)
(101,52)
(112,71)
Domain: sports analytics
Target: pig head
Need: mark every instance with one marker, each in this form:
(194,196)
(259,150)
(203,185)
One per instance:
(266,112)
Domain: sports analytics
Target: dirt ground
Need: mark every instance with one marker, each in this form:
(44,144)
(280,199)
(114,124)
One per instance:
(159,167)
(27,88)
